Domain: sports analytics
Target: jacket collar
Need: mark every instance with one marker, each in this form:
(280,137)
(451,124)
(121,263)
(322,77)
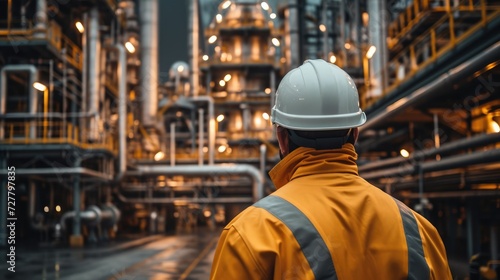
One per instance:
(307,161)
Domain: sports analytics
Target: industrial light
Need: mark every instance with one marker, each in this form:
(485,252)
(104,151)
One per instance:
(275,42)
(39,86)
(371,52)
(264,5)
(322,28)
(130,47)
(212,39)
(222,148)
(205,57)
(272,15)
(220,118)
(207,213)
(180,68)
(58,208)
(226,4)
(159,156)
(404,153)
(227,77)
(267,90)
(495,126)
(222,83)
(347,46)
(333,58)
(265,116)
(80,27)
(46,209)
(218,18)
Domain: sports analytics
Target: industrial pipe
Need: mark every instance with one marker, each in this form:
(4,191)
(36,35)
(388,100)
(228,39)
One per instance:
(206,170)
(108,215)
(149,60)
(203,200)
(33,96)
(477,157)
(437,87)
(466,143)
(41,19)
(122,107)
(454,194)
(195,47)
(211,125)
(94,52)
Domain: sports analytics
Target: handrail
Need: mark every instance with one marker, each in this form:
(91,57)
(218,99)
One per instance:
(53,133)
(53,35)
(439,39)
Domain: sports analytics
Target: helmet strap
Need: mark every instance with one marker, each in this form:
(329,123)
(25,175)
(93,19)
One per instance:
(326,143)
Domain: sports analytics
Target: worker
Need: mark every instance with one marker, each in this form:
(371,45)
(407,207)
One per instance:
(324,221)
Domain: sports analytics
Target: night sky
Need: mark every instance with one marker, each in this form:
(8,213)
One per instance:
(173,34)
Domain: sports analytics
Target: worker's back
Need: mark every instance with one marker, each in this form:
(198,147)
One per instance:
(326,214)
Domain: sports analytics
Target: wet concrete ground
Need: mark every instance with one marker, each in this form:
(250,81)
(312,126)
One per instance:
(182,256)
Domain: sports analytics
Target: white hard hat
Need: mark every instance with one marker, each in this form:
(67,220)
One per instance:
(317,96)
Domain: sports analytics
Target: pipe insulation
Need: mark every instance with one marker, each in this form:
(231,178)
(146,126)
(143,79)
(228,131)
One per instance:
(149,60)
(206,170)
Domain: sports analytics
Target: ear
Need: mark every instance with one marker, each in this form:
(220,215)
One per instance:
(355,134)
(282,134)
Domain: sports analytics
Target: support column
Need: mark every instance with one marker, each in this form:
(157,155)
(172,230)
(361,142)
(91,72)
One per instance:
(377,26)
(76,238)
(494,242)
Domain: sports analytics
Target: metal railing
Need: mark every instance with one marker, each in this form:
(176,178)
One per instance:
(47,132)
(18,32)
(446,33)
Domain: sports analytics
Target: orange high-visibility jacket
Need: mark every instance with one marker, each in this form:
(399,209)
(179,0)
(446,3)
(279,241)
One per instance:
(326,222)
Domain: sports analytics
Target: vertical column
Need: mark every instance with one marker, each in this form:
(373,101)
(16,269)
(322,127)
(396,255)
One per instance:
(377,26)
(194,41)
(149,60)
(292,42)
(76,238)
(41,19)
(494,241)
(94,55)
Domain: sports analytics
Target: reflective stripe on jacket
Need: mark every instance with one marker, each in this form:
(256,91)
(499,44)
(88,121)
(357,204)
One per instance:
(325,222)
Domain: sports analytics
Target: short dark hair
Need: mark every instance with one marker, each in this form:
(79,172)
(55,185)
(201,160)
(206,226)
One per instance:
(315,135)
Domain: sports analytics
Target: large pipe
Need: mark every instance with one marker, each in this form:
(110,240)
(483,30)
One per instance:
(437,87)
(453,194)
(195,47)
(149,60)
(292,22)
(83,121)
(122,107)
(211,126)
(376,29)
(466,143)
(93,216)
(94,55)
(41,19)
(204,200)
(487,156)
(200,136)
(33,96)
(206,170)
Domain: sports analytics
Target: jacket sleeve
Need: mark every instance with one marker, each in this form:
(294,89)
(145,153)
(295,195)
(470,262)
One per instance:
(233,258)
(434,250)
